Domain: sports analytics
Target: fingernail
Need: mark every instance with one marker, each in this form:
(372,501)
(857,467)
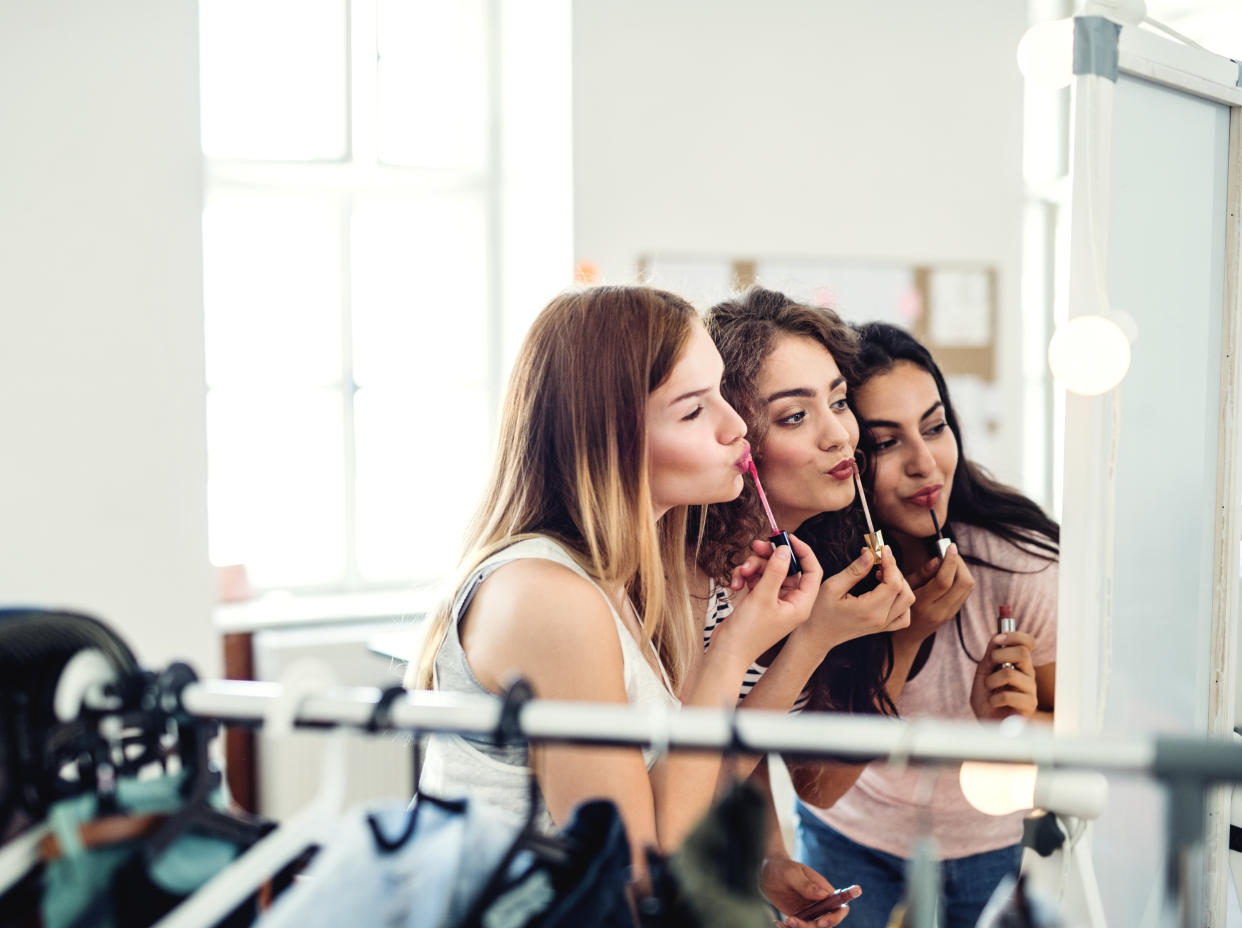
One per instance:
(781,551)
(1000,639)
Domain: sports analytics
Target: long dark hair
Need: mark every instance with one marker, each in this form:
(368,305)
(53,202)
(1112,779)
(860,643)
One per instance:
(975,496)
(852,676)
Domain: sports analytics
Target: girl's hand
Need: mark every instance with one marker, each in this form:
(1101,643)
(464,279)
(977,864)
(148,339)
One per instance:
(747,573)
(839,616)
(776,605)
(791,887)
(940,587)
(999,692)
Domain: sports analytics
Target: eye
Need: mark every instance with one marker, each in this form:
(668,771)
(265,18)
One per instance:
(794,418)
(692,415)
(883,444)
(838,405)
(938,428)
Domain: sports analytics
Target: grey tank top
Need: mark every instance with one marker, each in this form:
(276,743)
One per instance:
(456,765)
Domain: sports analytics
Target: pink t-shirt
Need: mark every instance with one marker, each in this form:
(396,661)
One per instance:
(885,808)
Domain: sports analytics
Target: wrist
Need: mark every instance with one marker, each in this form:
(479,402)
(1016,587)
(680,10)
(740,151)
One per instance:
(728,654)
(809,645)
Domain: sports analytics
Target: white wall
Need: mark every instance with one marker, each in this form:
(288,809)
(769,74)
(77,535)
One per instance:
(800,127)
(102,467)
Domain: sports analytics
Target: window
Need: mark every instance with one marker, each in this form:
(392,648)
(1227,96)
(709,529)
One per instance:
(349,284)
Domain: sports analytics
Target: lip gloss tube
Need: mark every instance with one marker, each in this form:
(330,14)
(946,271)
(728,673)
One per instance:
(1005,622)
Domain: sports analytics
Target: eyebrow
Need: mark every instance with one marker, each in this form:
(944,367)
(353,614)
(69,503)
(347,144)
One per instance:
(887,424)
(687,396)
(803,391)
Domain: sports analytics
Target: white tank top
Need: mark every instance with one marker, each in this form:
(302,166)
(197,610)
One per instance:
(460,766)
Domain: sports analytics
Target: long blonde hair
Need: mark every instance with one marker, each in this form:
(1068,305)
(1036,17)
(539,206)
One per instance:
(571,461)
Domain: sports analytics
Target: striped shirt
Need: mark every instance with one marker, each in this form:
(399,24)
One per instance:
(719,607)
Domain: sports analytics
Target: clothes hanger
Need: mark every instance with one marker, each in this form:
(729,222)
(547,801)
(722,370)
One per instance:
(547,849)
(198,815)
(313,825)
(381,720)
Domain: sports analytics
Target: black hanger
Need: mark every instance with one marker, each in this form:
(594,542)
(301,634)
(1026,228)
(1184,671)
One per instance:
(202,779)
(548,849)
(381,720)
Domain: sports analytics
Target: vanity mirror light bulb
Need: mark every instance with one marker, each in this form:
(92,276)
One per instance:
(998,789)
(1089,354)
(1046,54)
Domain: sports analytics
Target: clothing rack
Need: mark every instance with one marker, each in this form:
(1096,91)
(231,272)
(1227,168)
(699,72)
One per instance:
(1185,765)
(1170,758)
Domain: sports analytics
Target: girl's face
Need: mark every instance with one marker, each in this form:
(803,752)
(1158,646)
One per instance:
(694,438)
(916,453)
(807,459)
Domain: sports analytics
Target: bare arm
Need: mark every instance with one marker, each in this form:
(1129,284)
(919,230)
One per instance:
(538,619)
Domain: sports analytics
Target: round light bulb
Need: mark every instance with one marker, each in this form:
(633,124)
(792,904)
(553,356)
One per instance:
(998,789)
(1046,54)
(1089,354)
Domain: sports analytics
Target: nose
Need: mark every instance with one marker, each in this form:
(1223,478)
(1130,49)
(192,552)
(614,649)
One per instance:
(833,435)
(732,426)
(920,462)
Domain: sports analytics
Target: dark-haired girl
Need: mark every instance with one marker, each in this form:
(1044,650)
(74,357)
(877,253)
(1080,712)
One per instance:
(953,662)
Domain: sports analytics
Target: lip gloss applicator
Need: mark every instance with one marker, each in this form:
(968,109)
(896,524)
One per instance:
(942,543)
(874,537)
(777,537)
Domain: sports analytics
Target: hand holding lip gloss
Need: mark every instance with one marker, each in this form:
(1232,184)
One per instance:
(777,537)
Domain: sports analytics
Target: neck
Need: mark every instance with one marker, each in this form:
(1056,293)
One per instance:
(788,520)
(913,553)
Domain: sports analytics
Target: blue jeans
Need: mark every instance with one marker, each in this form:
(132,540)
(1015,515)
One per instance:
(966,883)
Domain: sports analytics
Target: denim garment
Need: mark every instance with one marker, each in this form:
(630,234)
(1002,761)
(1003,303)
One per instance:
(967,883)
(439,855)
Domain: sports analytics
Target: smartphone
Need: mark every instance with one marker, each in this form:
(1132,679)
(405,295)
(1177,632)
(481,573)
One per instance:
(829,903)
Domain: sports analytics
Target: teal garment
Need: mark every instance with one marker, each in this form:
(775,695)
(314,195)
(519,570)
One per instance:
(77,885)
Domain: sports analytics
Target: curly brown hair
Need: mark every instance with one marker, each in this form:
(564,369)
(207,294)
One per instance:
(745,330)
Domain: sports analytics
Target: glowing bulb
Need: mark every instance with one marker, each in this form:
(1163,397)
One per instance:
(1089,354)
(998,789)
(1046,54)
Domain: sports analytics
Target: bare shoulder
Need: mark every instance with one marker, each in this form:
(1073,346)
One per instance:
(539,619)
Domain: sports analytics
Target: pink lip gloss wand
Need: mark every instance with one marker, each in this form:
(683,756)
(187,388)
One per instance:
(874,538)
(777,537)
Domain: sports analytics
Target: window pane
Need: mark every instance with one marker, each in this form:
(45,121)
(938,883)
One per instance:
(432,83)
(273,76)
(419,293)
(272,291)
(422,457)
(276,485)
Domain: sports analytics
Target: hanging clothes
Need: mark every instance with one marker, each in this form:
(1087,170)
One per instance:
(110,885)
(713,880)
(393,865)
(588,890)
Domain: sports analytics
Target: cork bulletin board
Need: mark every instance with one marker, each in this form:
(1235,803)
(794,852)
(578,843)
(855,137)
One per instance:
(950,308)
